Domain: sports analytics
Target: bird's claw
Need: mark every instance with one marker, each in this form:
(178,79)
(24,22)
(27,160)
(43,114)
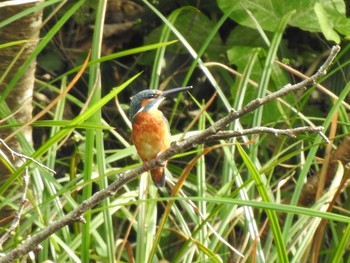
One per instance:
(159,162)
(145,165)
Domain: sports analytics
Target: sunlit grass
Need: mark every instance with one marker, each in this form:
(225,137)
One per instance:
(235,199)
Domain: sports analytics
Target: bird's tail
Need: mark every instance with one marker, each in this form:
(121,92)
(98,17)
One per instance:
(158,176)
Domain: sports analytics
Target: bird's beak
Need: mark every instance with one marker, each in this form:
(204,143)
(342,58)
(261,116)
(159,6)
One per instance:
(174,91)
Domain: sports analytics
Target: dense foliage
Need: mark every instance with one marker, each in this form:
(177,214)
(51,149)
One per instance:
(231,52)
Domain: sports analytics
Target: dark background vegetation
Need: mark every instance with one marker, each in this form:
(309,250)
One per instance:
(251,27)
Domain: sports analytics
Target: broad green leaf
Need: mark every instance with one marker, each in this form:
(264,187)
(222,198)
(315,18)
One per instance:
(325,24)
(268,13)
(188,19)
(238,55)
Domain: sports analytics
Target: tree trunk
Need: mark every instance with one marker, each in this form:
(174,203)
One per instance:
(20,98)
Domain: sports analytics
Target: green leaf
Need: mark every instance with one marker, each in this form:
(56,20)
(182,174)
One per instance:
(239,55)
(326,24)
(268,13)
(188,19)
(265,195)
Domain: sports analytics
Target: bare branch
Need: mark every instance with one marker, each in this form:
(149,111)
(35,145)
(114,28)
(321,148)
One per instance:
(76,215)
(25,157)
(224,135)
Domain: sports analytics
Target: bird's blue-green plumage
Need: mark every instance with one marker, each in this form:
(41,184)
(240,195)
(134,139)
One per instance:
(155,95)
(136,102)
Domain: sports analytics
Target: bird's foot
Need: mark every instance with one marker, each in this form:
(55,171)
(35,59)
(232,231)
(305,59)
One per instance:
(145,165)
(159,162)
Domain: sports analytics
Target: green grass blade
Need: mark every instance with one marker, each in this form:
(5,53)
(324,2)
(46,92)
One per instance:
(28,11)
(265,78)
(124,53)
(62,133)
(41,45)
(273,220)
(310,159)
(193,53)
(342,246)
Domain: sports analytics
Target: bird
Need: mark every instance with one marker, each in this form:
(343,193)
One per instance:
(150,129)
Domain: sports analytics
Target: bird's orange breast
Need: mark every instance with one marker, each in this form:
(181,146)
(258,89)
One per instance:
(150,134)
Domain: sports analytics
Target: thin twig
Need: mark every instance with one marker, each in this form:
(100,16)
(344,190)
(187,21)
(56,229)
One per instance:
(224,135)
(77,214)
(318,86)
(13,153)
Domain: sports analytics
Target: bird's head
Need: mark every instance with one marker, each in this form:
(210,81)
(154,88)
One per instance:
(150,99)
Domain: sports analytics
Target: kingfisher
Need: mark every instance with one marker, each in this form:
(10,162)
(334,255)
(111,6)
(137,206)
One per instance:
(150,129)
